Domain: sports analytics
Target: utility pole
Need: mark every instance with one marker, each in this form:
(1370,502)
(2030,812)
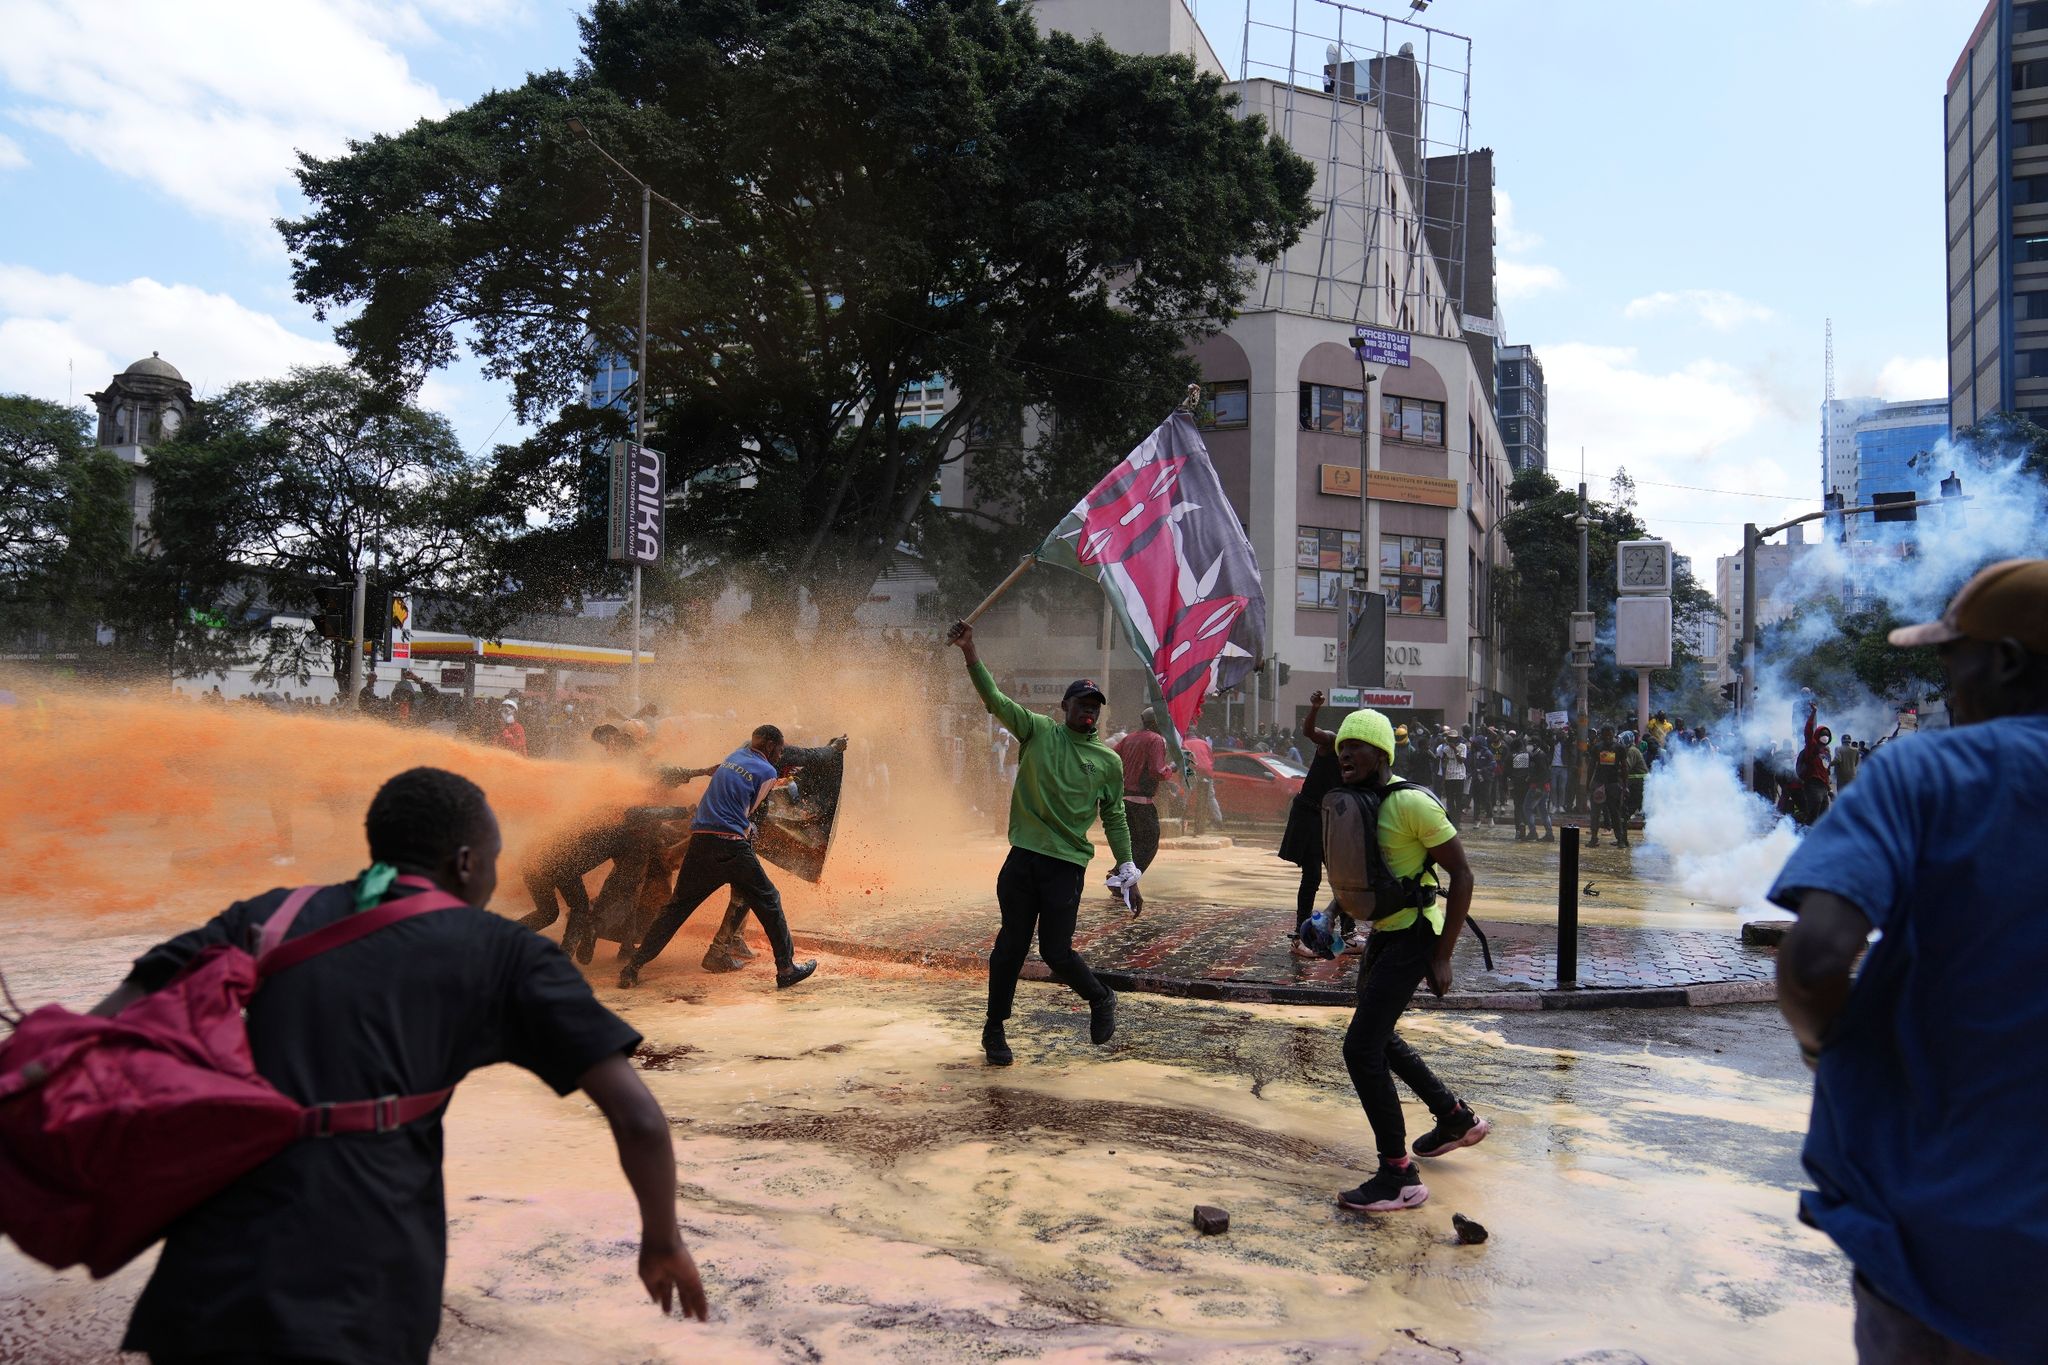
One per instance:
(1752,537)
(1585,669)
(1368,554)
(355,643)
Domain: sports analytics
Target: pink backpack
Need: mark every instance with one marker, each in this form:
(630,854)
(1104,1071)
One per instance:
(112,1128)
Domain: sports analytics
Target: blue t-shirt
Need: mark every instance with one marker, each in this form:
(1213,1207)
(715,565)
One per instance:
(735,790)
(1932,1092)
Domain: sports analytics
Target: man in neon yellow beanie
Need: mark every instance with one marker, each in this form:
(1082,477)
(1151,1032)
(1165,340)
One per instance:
(1410,942)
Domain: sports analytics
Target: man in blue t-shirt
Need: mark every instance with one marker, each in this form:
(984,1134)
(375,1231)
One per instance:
(721,854)
(1932,1061)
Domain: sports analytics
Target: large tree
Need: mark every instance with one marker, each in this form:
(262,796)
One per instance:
(1535,599)
(276,487)
(856,195)
(64,524)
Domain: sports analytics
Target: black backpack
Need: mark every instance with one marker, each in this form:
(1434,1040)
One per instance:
(1364,885)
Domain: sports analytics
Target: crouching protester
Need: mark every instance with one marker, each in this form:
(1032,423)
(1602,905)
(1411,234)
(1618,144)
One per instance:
(1415,924)
(1931,1060)
(334,1249)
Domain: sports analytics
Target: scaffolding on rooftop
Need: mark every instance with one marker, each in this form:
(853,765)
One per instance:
(1352,89)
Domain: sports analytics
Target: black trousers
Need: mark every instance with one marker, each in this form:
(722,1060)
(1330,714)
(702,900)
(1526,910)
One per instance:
(1611,812)
(1887,1334)
(1038,895)
(1395,964)
(1144,821)
(710,863)
(561,869)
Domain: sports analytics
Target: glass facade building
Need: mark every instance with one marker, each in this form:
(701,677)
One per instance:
(1885,452)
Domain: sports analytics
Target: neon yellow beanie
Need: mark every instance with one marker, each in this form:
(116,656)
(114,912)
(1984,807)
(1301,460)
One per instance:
(1370,726)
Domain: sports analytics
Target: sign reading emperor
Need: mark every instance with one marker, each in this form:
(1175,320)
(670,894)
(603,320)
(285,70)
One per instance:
(634,529)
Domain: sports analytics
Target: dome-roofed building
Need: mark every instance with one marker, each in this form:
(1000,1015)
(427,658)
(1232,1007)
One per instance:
(143,406)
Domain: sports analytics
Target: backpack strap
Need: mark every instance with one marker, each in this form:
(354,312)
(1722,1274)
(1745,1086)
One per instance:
(380,1115)
(280,921)
(275,957)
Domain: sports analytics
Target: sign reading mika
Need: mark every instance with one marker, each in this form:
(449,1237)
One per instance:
(634,527)
(1161,538)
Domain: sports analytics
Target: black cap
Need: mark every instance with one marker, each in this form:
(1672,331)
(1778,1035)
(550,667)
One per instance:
(1085,687)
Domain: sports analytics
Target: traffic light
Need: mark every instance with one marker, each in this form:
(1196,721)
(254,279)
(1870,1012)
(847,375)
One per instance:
(331,617)
(1952,499)
(1728,691)
(1286,672)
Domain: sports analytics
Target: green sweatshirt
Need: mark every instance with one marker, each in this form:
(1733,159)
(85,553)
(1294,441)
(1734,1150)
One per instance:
(1063,779)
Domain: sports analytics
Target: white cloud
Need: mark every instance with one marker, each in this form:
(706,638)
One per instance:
(1517,280)
(1514,277)
(1705,425)
(51,322)
(209,100)
(12,158)
(1718,308)
(1906,378)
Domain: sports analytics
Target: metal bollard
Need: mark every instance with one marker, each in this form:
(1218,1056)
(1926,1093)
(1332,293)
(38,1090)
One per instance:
(1568,907)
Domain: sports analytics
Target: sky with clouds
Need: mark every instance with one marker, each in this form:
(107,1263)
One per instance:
(1686,193)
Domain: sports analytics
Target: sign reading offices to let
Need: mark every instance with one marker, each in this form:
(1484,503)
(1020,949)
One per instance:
(1380,345)
(634,527)
(1341,480)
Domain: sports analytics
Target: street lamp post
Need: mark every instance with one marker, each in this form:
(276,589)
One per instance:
(1360,581)
(647,198)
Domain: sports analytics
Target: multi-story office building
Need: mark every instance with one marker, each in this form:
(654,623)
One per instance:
(1838,419)
(1775,599)
(1996,125)
(1523,408)
(1888,440)
(1403,199)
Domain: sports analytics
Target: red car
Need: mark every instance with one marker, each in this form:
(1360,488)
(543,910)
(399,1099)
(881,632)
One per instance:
(1254,787)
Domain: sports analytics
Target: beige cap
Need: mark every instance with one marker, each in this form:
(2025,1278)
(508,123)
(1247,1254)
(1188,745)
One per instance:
(2006,599)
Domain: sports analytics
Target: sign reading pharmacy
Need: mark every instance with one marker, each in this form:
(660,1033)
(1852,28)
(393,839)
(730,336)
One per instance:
(1341,480)
(1380,345)
(634,526)
(1355,697)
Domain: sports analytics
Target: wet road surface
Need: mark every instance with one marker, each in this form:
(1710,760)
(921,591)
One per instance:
(857,1186)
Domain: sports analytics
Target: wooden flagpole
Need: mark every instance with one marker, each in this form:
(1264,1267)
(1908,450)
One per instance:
(1023,567)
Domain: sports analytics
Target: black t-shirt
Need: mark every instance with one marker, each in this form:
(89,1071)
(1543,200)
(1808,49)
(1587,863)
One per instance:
(335,1248)
(1323,774)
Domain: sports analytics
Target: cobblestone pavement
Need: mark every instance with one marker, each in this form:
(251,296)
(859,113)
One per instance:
(1201,947)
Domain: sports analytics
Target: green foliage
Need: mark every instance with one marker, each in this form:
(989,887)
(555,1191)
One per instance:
(277,486)
(64,531)
(1535,600)
(858,194)
(1837,650)
(2005,436)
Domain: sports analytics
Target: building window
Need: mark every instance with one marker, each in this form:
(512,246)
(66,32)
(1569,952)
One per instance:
(2034,364)
(2033,248)
(1326,407)
(1412,419)
(2031,75)
(1412,575)
(2028,17)
(1226,404)
(2030,189)
(1324,557)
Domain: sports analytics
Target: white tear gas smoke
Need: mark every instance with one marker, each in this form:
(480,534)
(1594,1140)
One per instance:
(1726,844)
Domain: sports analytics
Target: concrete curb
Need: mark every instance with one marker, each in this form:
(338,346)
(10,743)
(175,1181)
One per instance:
(1262,993)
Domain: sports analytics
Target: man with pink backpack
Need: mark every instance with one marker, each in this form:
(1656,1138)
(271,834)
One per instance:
(366,1003)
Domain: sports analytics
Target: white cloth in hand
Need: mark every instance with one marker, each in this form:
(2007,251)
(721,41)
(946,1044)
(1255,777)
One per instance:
(1124,880)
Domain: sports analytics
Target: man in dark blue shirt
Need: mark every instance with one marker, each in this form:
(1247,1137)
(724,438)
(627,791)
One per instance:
(1932,1062)
(721,854)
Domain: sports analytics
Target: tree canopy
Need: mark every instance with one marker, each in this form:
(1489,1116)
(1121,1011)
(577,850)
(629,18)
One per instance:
(1535,602)
(278,486)
(64,523)
(855,195)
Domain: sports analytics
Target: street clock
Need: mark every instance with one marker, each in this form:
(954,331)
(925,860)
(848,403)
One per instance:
(1644,567)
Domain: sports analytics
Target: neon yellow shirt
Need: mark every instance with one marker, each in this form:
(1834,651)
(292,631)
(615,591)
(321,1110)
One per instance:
(1411,824)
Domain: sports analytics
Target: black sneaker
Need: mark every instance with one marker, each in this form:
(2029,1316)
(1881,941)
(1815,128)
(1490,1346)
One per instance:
(994,1045)
(1102,1019)
(801,971)
(629,976)
(1459,1128)
(1392,1188)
